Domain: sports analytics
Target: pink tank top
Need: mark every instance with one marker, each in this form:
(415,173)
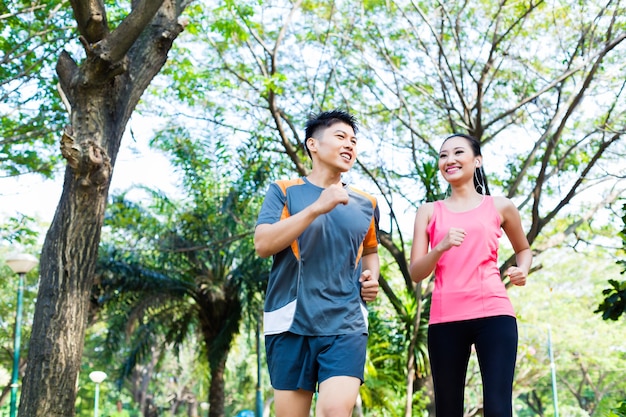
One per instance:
(467,279)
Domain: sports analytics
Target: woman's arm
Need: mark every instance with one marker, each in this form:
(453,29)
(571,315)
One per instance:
(422,261)
(512,226)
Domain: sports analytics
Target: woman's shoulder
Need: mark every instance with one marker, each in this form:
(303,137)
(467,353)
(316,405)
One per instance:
(427,207)
(503,204)
(425,212)
(501,201)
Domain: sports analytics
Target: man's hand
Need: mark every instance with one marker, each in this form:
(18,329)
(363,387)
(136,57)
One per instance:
(369,286)
(331,197)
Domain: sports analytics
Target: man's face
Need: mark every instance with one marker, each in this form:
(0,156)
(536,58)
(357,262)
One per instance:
(335,146)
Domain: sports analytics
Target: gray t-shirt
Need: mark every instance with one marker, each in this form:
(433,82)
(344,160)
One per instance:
(314,287)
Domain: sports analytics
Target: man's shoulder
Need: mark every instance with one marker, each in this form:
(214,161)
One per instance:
(364,194)
(284,184)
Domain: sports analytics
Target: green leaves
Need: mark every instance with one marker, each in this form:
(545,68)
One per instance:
(183,271)
(31,116)
(620,411)
(614,304)
(20,230)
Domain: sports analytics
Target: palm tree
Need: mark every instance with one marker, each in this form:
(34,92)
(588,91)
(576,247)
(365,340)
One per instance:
(172,270)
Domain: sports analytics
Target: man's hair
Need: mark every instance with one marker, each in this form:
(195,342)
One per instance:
(325,119)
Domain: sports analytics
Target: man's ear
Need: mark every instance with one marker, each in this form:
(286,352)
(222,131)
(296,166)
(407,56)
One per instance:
(311,144)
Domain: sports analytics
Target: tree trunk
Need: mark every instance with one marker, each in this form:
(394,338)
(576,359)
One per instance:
(102,93)
(58,329)
(140,380)
(216,392)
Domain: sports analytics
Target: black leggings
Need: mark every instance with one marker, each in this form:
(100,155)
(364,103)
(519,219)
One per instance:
(449,347)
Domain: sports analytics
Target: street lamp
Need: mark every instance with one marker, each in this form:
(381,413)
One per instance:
(204,406)
(97,377)
(259,394)
(555,396)
(21,264)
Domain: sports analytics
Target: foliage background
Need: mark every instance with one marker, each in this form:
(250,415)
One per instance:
(244,70)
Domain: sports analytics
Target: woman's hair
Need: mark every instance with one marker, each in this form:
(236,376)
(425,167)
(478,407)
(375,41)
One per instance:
(480,180)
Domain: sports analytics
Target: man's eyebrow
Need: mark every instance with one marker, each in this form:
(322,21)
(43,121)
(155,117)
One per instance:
(345,133)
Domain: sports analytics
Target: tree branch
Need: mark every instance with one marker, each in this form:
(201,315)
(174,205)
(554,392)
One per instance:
(115,46)
(91,19)
(68,71)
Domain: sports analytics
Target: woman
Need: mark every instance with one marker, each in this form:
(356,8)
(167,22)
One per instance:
(458,238)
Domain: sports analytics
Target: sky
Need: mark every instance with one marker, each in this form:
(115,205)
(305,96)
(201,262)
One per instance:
(136,164)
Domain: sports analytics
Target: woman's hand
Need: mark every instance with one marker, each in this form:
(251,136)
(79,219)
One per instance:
(516,275)
(454,237)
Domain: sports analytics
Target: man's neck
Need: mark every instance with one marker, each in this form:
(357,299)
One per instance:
(324,178)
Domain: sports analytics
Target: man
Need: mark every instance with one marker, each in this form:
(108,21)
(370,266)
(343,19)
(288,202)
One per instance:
(120,412)
(322,236)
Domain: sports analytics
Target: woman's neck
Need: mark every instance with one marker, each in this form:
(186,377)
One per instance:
(464,198)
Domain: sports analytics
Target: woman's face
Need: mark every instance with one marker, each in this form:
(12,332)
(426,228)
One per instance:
(457,161)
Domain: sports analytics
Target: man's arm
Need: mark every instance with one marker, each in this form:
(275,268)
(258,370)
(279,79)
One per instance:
(270,239)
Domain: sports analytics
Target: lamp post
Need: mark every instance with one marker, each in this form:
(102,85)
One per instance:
(97,377)
(21,264)
(259,394)
(555,397)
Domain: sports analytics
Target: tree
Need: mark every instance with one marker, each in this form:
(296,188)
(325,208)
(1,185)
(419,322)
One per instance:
(614,303)
(101,93)
(479,74)
(548,72)
(31,115)
(174,272)
(412,72)
(253,72)
(588,352)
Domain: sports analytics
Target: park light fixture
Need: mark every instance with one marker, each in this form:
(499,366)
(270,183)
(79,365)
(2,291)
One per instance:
(97,377)
(21,264)
(205,407)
